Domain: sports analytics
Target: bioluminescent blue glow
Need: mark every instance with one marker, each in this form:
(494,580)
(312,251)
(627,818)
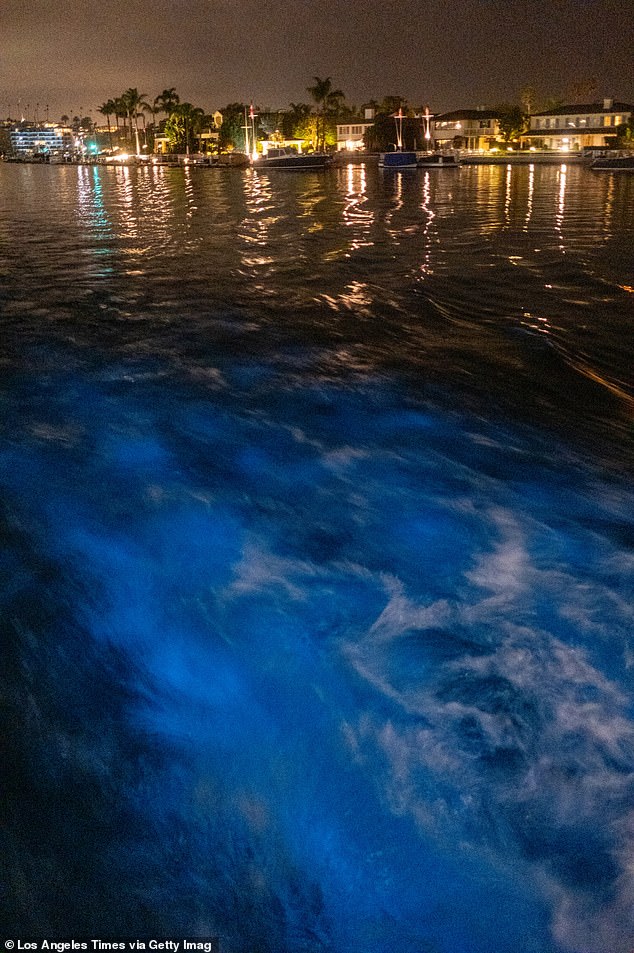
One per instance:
(368,696)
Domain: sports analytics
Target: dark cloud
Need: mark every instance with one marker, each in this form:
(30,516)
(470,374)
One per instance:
(69,54)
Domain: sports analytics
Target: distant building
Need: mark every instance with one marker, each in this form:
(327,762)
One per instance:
(571,128)
(29,139)
(476,130)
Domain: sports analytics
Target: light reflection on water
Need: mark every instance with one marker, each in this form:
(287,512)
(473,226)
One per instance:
(318,553)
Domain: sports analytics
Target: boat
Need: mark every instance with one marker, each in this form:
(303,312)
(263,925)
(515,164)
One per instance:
(231,160)
(614,162)
(399,159)
(288,158)
(437,160)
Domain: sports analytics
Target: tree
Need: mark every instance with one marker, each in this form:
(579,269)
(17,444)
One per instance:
(528,99)
(381,136)
(154,110)
(232,128)
(512,122)
(309,130)
(391,104)
(329,102)
(166,101)
(625,135)
(294,117)
(107,109)
(184,126)
(133,101)
(120,112)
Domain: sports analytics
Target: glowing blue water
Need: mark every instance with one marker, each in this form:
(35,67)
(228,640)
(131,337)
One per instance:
(310,642)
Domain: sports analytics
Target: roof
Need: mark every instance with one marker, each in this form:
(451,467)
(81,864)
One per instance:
(458,114)
(572,131)
(577,109)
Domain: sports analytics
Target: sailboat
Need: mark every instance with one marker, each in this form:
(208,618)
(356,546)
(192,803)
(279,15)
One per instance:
(399,159)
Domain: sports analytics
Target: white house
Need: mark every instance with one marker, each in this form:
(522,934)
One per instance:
(350,134)
(571,128)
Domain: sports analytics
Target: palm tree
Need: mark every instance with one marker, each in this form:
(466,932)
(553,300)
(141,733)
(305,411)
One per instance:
(193,118)
(167,101)
(185,123)
(134,101)
(107,109)
(328,99)
(154,110)
(120,112)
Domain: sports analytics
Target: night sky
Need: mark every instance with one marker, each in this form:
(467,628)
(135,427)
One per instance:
(73,54)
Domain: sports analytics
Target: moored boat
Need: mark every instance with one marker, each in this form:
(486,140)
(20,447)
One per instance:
(397,160)
(437,160)
(615,162)
(287,158)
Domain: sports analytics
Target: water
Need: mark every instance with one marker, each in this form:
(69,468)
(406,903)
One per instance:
(318,557)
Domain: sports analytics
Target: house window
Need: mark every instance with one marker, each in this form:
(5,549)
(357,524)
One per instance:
(618,120)
(607,120)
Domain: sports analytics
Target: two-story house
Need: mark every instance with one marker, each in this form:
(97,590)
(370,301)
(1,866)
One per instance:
(571,128)
(472,129)
(350,134)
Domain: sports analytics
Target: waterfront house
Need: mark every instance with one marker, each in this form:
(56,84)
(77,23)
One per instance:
(475,130)
(575,127)
(350,135)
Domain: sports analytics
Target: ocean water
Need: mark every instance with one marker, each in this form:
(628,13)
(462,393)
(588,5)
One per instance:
(318,558)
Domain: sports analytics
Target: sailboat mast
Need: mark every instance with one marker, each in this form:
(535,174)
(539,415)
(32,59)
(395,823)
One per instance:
(399,129)
(253,135)
(247,147)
